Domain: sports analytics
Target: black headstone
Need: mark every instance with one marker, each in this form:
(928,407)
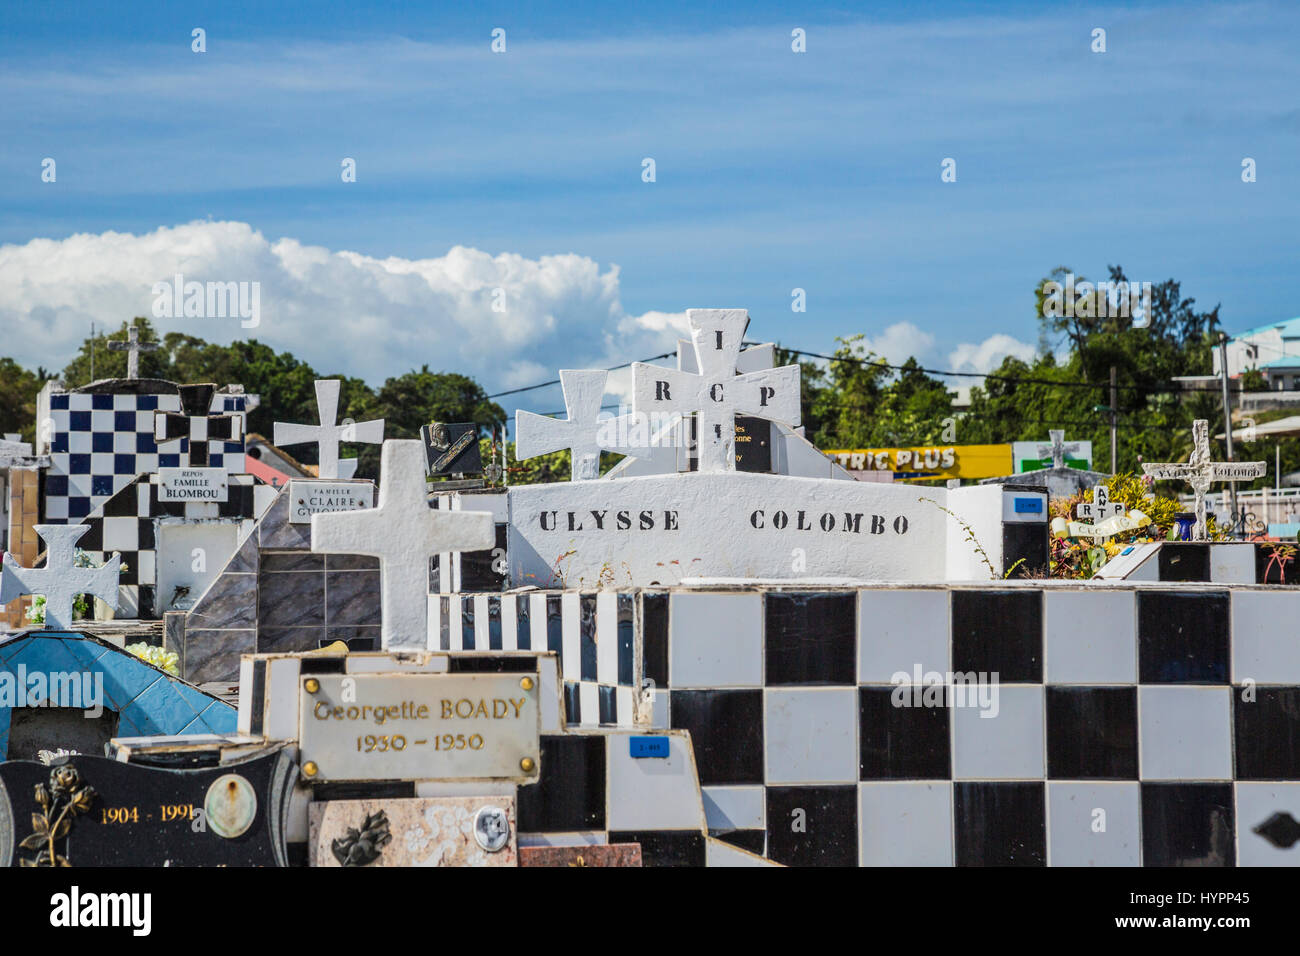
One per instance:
(116,813)
(452,449)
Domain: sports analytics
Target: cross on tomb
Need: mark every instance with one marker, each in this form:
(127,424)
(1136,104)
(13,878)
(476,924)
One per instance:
(195,422)
(403,532)
(717,393)
(1199,471)
(60,581)
(133,347)
(1058,448)
(1101,507)
(583,433)
(327,434)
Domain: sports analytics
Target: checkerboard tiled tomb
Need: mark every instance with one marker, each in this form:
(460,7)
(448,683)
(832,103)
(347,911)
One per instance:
(1151,726)
(99,441)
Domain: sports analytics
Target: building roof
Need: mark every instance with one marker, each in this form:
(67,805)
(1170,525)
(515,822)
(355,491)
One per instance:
(1285,326)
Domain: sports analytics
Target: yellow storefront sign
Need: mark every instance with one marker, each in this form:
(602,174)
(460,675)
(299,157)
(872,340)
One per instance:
(924,462)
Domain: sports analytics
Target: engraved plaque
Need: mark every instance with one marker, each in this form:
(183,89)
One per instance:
(192,484)
(419,726)
(307,498)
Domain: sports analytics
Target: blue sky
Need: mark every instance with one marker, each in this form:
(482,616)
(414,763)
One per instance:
(774,170)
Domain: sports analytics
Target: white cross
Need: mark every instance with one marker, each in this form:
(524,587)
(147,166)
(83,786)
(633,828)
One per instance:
(1101,507)
(403,532)
(583,433)
(133,347)
(1198,471)
(60,581)
(327,435)
(1058,448)
(717,393)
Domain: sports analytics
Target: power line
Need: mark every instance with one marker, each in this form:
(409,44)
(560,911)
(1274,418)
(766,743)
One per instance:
(556,381)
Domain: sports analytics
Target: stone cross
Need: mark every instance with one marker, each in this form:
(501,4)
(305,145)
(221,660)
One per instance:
(195,422)
(717,393)
(1058,449)
(133,347)
(1199,471)
(60,581)
(327,435)
(403,532)
(583,433)
(1101,507)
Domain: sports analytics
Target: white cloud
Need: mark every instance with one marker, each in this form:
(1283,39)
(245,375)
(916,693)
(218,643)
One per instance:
(987,355)
(339,310)
(899,342)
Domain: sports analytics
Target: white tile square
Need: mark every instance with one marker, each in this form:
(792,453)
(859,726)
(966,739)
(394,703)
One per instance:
(124,403)
(1005,746)
(1256,803)
(715,640)
(121,534)
(735,808)
(1185,733)
(652,793)
(101,421)
(124,443)
(901,629)
(79,443)
(56,509)
(1232,563)
(1094,823)
(659,716)
(589,701)
(144,422)
(1263,650)
(101,463)
(811,735)
(1090,637)
(905,823)
(144,567)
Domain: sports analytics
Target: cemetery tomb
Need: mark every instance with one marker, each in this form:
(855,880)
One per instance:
(102,436)
(327,434)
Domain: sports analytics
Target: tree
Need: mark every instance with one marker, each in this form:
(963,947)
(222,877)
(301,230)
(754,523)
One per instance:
(18,390)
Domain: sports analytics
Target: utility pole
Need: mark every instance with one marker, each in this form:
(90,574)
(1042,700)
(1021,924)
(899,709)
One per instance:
(1227,412)
(1114,419)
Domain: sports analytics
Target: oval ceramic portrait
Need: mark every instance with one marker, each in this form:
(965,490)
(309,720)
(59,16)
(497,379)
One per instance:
(230,806)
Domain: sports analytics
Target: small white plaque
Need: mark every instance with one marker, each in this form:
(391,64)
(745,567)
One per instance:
(192,484)
(307,498)
(420,726)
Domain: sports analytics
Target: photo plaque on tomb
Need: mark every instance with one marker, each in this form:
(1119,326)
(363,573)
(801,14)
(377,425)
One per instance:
(309,497)
(451,449)
(419,727)
(193,484)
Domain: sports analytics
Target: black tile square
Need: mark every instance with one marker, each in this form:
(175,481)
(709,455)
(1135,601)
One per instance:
(1024,542)
(665,847)
(1267,733)
(726,729)
(755,841)
(1092,733)
(1275,567)
(1187,824)
(812,826)
(1000,824)
(998,631)
(811,638)
(654,630)
(570,793)
(902,737)
(1183,637)
(1184,561)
